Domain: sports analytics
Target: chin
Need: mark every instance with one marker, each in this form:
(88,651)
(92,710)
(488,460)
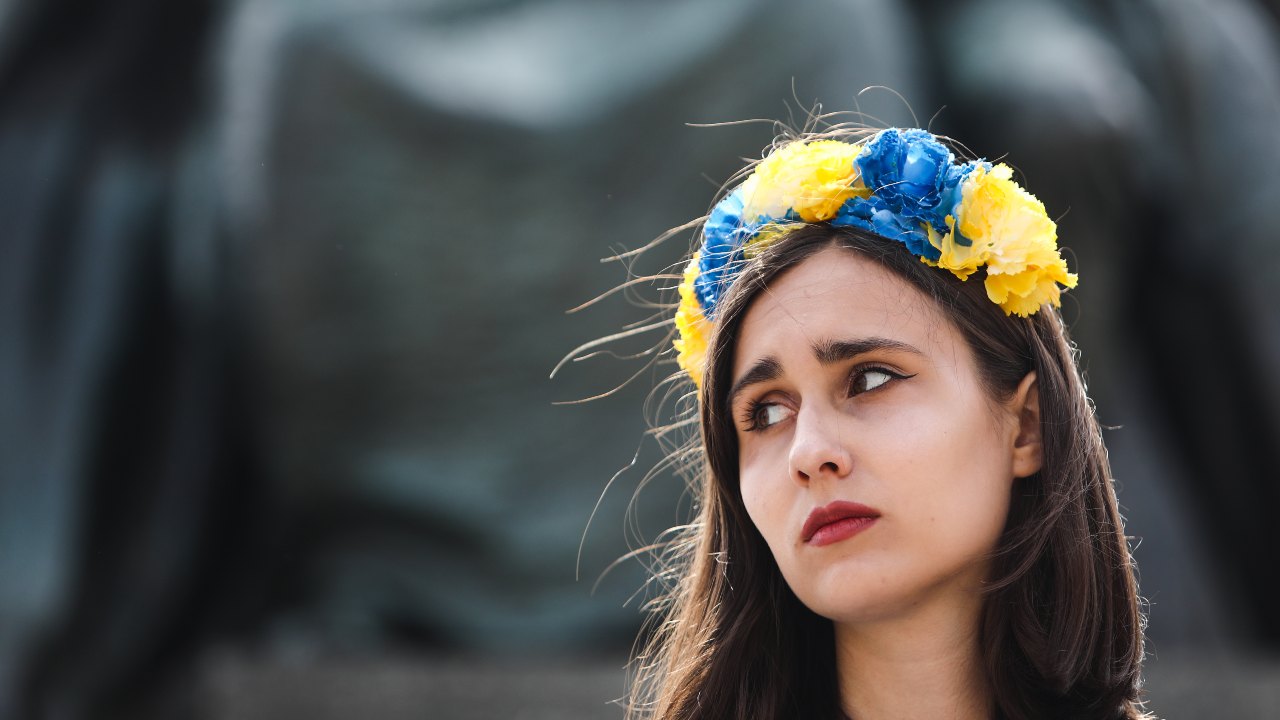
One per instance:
(861,594)
(857,607)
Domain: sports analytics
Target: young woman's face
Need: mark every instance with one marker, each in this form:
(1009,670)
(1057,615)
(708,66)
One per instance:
(872,460)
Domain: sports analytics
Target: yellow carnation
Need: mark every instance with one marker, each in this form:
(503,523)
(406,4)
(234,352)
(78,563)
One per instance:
(814,179)
(1013,236)
(995,209)
(961,260)
(692,327)
(1023,293)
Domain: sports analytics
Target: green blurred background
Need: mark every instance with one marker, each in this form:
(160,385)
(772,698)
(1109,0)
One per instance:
(281,284)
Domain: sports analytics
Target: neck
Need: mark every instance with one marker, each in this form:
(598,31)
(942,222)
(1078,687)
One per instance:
(928,664)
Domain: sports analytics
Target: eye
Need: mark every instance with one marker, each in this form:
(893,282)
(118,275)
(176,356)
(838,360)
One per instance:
(866,379)
(762,415)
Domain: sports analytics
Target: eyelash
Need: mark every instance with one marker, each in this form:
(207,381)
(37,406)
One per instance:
(751,414)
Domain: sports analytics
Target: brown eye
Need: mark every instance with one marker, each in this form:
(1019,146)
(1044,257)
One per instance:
(870,379)
(764,415)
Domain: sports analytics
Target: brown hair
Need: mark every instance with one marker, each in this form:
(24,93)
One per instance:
(1062,631)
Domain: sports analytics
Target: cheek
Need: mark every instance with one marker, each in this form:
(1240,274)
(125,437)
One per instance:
(766,494)
(756,500)
(967,501)
(972,517)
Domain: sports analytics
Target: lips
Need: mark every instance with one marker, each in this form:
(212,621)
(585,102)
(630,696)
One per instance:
(837,521)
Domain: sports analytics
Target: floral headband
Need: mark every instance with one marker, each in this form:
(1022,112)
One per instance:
(903,185)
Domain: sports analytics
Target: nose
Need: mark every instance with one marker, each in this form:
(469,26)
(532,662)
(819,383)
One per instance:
(817,447)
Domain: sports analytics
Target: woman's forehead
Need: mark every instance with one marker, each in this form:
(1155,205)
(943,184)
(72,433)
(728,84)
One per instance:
(838,296)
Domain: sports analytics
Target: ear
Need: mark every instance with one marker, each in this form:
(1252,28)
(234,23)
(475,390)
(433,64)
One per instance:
(1028,450)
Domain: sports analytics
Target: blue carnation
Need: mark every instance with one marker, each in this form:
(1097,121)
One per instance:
(724,235)
(873,215)
(912,174)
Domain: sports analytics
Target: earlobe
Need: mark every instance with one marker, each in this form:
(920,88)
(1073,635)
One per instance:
(1028,448)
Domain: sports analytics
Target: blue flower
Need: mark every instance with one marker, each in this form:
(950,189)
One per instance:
(873,215)
(913,175)
(724,235)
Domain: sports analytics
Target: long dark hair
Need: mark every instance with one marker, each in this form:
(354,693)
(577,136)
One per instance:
(1062,630)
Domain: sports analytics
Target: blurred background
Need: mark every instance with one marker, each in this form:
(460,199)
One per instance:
(281,284)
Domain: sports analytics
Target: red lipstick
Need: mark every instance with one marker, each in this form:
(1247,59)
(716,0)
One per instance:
(837,521)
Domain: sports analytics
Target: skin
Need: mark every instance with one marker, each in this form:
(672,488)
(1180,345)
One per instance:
(905,427)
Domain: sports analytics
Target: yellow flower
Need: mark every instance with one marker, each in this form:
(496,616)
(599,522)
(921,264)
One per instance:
(1024,293)
(1013,236)
(692,326)
(961,260)
(1012,221)
(814,179)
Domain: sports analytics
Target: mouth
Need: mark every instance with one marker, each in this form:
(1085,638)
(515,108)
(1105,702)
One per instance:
(837,521)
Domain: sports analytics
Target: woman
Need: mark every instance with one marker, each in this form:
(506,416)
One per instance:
(905,508)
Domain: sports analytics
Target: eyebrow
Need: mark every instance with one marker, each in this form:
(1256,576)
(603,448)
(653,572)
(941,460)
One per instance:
(830,352)
(827,352)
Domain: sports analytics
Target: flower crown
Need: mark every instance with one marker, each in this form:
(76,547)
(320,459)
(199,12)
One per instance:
(903,185)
